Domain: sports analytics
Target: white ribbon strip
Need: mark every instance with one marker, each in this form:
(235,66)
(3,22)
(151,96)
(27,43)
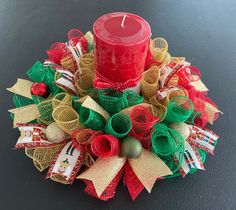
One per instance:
(75,51)
(33,135)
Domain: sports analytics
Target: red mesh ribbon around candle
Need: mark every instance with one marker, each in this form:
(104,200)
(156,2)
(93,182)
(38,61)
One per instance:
(105,146)
(142,121)
(103,83)
(60,54)
(190,74)
(109,192)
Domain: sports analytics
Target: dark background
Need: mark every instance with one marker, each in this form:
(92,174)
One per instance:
(204,31)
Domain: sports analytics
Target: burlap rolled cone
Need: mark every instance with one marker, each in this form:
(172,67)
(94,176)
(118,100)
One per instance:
(84,84)
(61,99)
(173,93)
(150,82)
(166,60)
(42,157)
(159,108)
(68,63)
(159,48)
(87,61)
(66,118)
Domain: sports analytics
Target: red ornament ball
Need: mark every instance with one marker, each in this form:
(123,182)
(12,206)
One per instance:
(40,89)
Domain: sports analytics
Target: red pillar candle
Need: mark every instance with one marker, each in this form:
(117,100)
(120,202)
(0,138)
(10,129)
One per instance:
(121,42)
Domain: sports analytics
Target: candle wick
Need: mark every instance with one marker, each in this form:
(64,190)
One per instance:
(123,21)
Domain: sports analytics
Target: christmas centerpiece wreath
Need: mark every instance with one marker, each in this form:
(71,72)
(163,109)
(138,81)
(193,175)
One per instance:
(111,105)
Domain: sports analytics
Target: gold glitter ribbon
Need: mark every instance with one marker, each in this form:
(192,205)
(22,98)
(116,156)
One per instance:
(147,168)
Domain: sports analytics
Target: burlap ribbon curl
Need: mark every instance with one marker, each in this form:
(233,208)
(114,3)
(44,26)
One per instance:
(150,82)
(42,157)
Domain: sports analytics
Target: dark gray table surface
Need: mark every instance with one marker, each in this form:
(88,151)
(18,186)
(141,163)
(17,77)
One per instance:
(203,31)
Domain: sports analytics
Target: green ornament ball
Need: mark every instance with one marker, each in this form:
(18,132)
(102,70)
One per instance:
(55,134)
(131,147)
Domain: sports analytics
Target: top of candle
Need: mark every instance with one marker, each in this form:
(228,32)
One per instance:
(121,28)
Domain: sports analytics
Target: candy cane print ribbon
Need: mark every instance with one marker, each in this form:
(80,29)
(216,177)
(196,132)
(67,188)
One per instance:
(191,159)
(203,138)
(66,164)
(75,51)
(66,80)
(33,135)
(169,69)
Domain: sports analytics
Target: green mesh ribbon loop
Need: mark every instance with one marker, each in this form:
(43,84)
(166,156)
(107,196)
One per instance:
(193,117)
(119,125)
(40,73)
(110,100)
(20,101)
(131,98)
(179,109)
(166,141)
(91,119)
(114,101)
(75,104)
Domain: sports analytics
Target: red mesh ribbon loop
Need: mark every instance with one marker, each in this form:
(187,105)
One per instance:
(142,118)
(76,36)
(105,146)
(132,182)
(83,138)
(66,54)
(188,74)
(142,121)
(56,52)
(103,83)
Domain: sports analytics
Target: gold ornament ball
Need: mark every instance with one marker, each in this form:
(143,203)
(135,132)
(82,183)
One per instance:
(182,128)
(55,134)
(131,147)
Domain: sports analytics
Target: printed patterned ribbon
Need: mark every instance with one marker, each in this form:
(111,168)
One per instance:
(202,138)
(66,164)
(64,78)
(191,159)
(168,71)
(33,135)
(76,51)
